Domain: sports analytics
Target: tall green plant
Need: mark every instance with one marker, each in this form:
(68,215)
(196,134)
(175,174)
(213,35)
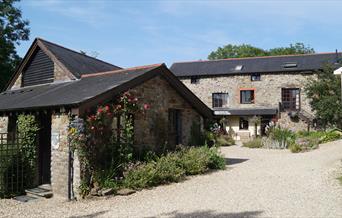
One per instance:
(28,128)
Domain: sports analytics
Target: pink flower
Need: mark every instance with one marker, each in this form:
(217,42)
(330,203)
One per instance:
(147,106)
(92,128)
(99,110)
(107,108)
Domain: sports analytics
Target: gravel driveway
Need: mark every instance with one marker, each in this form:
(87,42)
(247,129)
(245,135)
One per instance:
(257,183)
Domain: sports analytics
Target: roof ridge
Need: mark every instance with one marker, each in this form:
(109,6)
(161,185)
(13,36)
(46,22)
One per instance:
(121,70)
(258,57)
(79,53)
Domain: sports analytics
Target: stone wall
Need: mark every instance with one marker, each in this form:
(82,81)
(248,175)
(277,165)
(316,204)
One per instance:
(3,124)
(60,74)
(152,126)
(17,83)
(59,155)
(267,91)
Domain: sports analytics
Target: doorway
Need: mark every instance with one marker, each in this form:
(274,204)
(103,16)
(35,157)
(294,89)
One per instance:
(44,149)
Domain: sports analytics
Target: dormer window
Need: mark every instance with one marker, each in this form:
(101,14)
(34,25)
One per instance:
(238,67)
(255,77)
(290,65)
(194,80)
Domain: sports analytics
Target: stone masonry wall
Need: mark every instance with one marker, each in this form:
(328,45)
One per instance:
(161,97)
(267,91)
(3,124)
(59,155)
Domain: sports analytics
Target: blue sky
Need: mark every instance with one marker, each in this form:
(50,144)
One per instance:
(132,33)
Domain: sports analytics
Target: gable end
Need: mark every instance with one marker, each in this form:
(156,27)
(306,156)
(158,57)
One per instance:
(39,70)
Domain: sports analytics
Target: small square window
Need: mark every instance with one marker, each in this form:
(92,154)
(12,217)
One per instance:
(247,96)
(194,80)
(220,100)
(255,77)
(243,125)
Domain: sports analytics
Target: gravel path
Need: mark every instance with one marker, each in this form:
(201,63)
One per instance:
(257,183)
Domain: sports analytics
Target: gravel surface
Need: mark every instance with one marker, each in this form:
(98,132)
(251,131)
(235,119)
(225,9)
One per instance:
(257,183)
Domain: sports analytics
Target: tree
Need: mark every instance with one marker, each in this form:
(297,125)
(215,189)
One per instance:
(245,50)
(324,93)
(13,29)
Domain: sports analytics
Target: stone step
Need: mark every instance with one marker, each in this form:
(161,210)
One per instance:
(43,191)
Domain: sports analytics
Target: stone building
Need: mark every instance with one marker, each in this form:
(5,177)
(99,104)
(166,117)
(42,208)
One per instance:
(251,92)
(56,84)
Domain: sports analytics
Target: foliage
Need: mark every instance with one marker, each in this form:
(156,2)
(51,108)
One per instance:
(28,128)
(324,93)
(340,179)
(283,136)
(173,167)
(254,143)
(246,50)
(104,141)
(331,136)
(295,148)
(224,140)
(13,29)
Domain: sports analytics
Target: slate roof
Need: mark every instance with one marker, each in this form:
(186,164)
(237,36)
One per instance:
(274,64)
(245,112)
(77,63)
(92,86)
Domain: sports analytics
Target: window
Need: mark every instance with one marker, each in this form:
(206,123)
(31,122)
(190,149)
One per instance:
(243,123)
(220,100)
(290,98)
(194,80)
(247,96)
(255,77)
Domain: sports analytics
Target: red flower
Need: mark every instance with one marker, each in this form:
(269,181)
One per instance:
(107,108)
(147,106)
(99,110)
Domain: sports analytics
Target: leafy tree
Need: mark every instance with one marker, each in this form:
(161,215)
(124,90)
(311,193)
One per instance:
(13,29)
(245,50)
(325,97)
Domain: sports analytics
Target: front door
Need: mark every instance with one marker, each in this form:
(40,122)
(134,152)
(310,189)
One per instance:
(175,127)
(44,149)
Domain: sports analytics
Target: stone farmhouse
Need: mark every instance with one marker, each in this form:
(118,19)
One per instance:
(57,84)
(251,92)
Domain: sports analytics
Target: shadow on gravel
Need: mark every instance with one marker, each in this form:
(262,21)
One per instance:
(212,214)
(91,214)
(232,161)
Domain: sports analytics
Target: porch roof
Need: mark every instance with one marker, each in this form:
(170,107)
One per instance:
(245,112)
(92,88)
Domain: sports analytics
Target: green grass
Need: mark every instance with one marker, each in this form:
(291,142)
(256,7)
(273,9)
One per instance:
(340,179)
(255,143)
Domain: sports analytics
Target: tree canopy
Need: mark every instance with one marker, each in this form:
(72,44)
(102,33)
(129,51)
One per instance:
(325,97)
(246,50)
(13,30)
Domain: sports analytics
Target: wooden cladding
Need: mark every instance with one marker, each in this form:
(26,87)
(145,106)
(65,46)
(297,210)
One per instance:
(39,70)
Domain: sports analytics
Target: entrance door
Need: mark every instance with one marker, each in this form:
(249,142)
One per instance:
(175,127)
(265,120)
(44,149)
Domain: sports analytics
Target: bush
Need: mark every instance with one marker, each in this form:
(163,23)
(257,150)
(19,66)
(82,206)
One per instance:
(194,160)
(216,161)
(295,148)
(331,136)
(224,140)
(255,143)
(168,170)
(285,137)
(173,167)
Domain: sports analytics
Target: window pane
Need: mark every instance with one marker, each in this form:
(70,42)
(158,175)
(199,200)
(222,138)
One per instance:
(220,100)
(246,96)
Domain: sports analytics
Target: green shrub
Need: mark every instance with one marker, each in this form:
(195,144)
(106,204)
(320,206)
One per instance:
(284,136)
(331,136)
(340,179)
(167,169)
(295,148)
(255,143)
(173,167)
(194,160)
(224,140)
(141,177)
(216,161)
